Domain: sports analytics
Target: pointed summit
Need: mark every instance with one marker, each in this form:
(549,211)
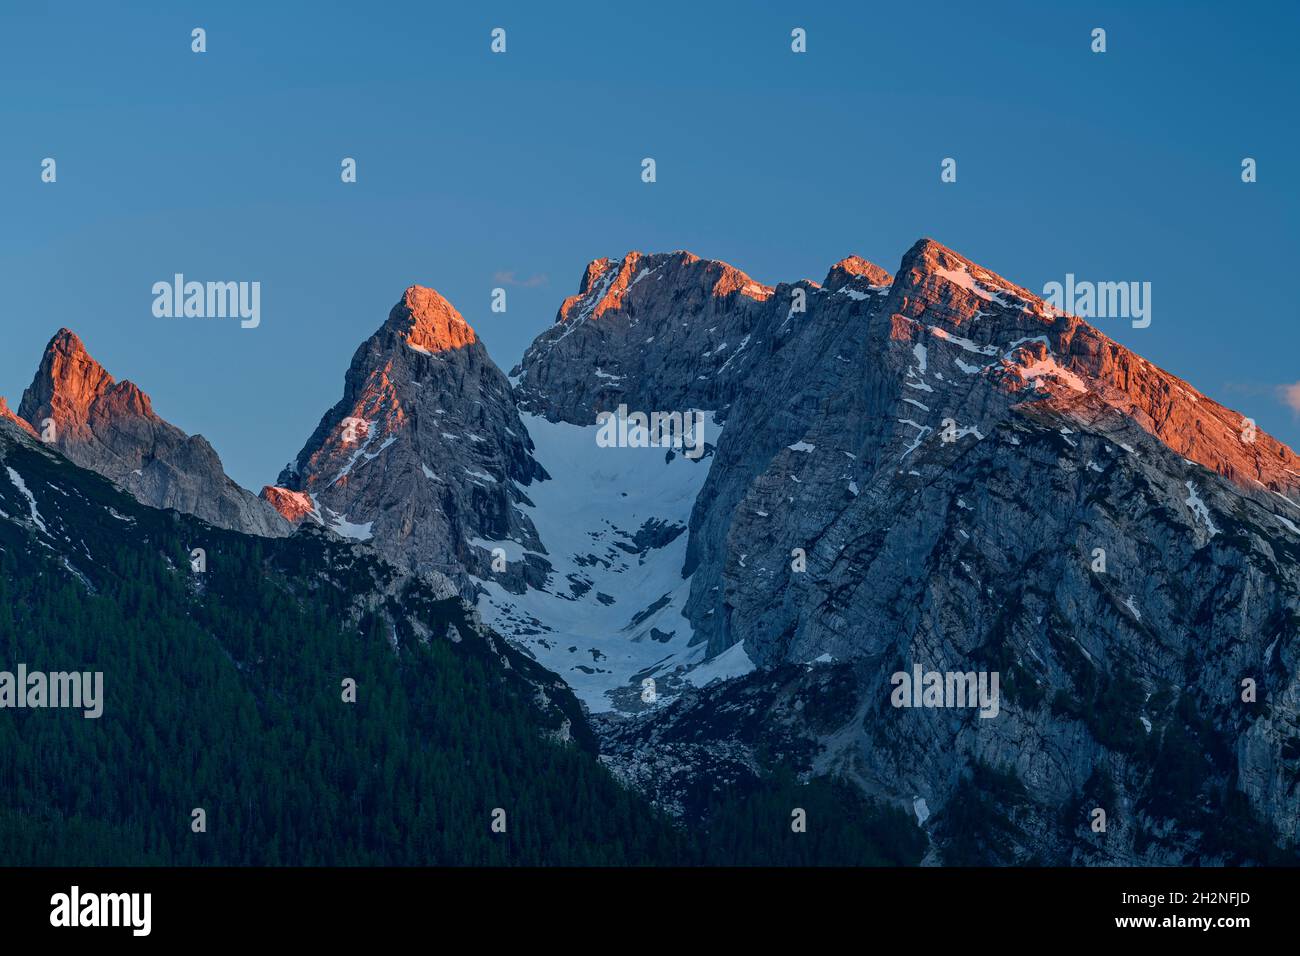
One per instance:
(927,253)
(1033,353)
(595,269)
(933,274)
(607,283)
(428,322)
(853,268)
(423,453)
(66,386)
(110,427)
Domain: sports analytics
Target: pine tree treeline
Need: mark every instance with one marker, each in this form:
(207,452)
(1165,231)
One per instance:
(222,691)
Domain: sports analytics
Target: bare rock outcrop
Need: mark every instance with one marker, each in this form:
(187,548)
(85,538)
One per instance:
(424,456)
(110,427)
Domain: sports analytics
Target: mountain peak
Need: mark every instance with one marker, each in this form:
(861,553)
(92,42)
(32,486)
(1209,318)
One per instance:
(69,382)
(606,282)
(67,339)
(110,427)
(428,322)
(941,293)
(595,269)
(422,453)
(930,267)
(67,360)
(929,251)
(855,267)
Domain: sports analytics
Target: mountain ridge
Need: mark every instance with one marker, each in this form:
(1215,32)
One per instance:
(943,470)
(930,467)
(111,427)
(424,454)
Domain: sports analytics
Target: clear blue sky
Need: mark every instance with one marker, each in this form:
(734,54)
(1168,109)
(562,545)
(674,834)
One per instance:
(225,166)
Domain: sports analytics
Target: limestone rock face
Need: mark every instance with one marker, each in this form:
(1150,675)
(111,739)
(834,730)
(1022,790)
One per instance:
(110,427)
(939,469)
(664,331)
(424,456)
(925,375)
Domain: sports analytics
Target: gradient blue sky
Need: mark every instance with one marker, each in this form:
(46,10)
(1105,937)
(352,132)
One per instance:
(225,166)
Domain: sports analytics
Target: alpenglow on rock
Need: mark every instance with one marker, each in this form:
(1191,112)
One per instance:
(424,456)
(110,427)
(664,331)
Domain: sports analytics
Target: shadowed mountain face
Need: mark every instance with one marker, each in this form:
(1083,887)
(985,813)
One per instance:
(110,427)
(424,455)
(388,718)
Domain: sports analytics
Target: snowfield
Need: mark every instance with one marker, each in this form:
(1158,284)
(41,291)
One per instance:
(610,614)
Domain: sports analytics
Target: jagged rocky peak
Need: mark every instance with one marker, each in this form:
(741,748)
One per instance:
(855,270)
(110,427)
(424,453)
(606,283)
(933,278)
(973,322)
(429,322)
(644,328)
(67,385)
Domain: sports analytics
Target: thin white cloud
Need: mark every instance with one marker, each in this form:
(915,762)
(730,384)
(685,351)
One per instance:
(508,278)
(1289,395)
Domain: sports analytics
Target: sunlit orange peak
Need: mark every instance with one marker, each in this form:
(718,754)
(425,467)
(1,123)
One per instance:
(429,322)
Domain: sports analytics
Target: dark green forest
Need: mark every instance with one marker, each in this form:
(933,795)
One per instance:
(223,691)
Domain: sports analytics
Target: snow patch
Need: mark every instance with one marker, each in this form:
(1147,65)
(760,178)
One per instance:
(733,662)
(1049,368)
(922,431)
(513,549)
(921,809)
(358,532)
(964,343)
(31,499)
(1199,509)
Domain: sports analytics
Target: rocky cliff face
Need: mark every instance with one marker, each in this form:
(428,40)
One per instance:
(925,375)
(664,331)
(110,427)
(424,455)
(940,471)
